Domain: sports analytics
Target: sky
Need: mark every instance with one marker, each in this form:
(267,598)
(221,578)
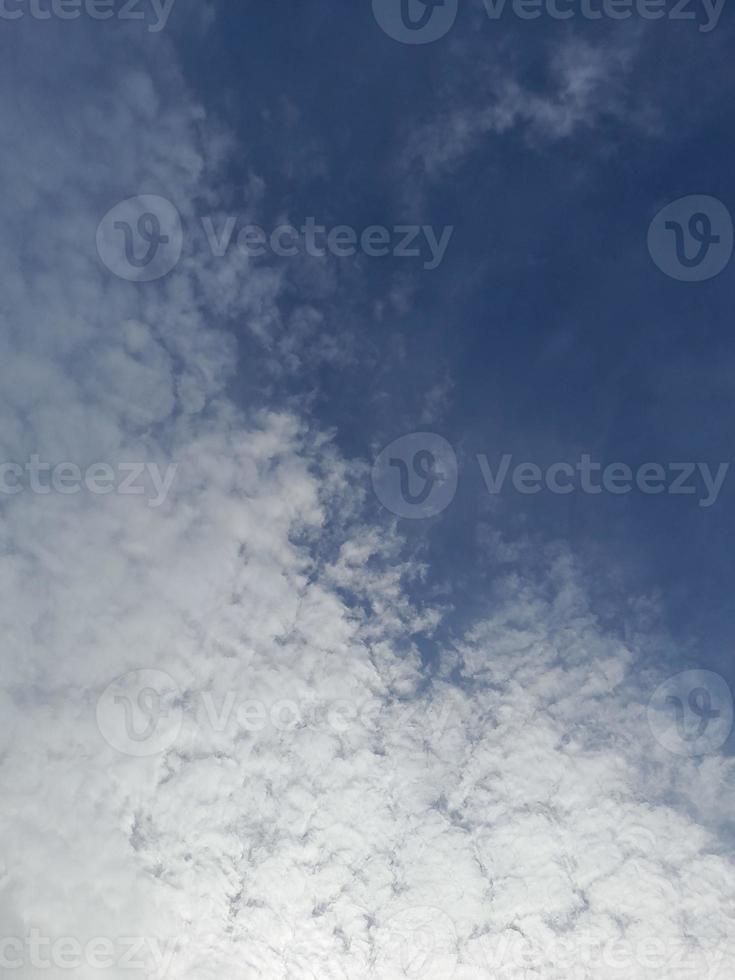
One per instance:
(365,490)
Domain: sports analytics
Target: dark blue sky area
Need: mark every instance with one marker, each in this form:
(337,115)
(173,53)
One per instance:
(547,331)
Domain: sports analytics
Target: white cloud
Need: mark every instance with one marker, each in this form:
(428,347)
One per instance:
(585,82)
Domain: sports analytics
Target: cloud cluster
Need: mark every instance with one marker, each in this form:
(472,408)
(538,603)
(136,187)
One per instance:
(515,797)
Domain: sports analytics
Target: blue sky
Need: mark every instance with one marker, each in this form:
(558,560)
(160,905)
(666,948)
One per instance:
(287,689)
(547,328)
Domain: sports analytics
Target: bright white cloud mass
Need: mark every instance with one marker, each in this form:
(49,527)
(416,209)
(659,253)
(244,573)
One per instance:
(316,807)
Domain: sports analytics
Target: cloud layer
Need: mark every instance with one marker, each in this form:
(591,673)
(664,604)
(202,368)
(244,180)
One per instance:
(320,807)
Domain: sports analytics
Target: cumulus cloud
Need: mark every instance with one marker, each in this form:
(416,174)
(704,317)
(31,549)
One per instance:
(315,803)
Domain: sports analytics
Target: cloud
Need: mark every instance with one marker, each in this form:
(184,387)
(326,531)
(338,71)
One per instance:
(347,815)
(584,83)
